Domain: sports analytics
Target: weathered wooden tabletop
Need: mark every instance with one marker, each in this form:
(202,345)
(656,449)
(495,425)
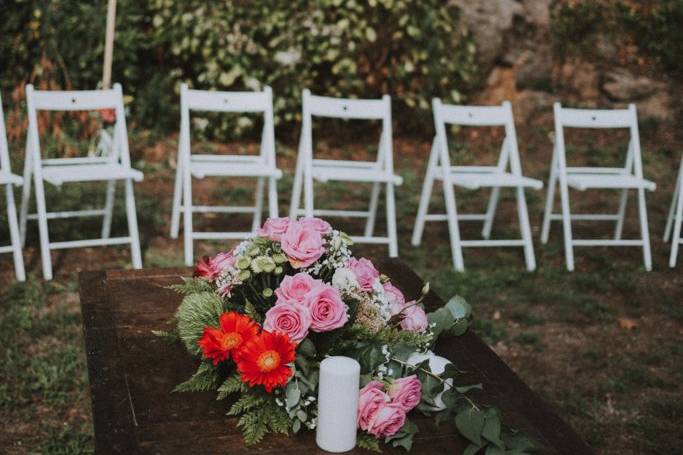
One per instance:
(132,373)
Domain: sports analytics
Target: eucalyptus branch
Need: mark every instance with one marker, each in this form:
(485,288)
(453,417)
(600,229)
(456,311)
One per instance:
(435,376)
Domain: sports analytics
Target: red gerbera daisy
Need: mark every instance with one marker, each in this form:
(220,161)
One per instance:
(264,360)
(235,329)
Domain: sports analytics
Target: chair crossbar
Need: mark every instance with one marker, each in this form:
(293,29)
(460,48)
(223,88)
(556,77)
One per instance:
(75,100)
(69,214)
(492,243)
(206,169)
(217,101)
(371,239)
(58,175)
(351,175)
(77,160)
(221,209)
(340,213)
(324,106)
(588,217)
(6,249)
(227,158)
(221,235)
(595,118)
(606,242)
(586,181)
(474,115)
(464,217)
(90,243)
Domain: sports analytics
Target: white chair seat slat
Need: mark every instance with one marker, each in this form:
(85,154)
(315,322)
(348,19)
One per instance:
(583,181)
(493,179)
(235,169)
(8,177)
(58,175)
(355,174)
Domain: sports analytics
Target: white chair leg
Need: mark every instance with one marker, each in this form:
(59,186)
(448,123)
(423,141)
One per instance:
(623,200)
(525,228)
(43,229)
(108,209)
(187,217)
(258,209)
(272,197)
(133,232)
(14,234)
(372,210)
(425,197)
(453,228)
(549,202)
(391,221)
(674,203)
(678,217)
(308,194)
(177,196)
(25,198)
(297,187)
(567,225)
(644,229)
(491,213)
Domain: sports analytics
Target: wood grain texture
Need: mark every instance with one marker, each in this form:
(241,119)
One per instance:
(132,373)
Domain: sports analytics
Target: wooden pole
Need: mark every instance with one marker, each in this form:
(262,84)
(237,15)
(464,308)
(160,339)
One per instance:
(109,44)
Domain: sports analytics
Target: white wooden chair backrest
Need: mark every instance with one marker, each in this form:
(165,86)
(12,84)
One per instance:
(599,119)
(350,109)
(78,100)
(450,114)
(231,102)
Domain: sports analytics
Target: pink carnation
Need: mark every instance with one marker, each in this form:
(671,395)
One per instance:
(415,318)
(406,392)
(302,244)
(296,288)
(328,311)
(319,225)
(395,297)
(293,320)
(273,228)
(366,273)
(210,267)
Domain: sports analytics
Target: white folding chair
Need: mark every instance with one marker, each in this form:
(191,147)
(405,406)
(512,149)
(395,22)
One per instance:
(582,178)
(57,171)
(261,166)
(675,218)
(378,172)
(7,179)
(475,177)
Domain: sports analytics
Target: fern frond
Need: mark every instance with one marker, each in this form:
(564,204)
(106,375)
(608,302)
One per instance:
(231,385)
(196,312)
(191,286)
(253,427)
(245,403)
(207,377)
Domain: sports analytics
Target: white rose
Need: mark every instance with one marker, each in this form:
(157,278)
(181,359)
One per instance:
(344,280)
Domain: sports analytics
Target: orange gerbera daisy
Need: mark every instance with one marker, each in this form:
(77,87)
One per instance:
(234,330)
(264,360)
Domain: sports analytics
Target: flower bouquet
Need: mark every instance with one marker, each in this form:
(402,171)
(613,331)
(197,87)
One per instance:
(261,317)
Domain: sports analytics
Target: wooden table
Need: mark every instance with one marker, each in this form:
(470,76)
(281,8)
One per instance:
(132,373)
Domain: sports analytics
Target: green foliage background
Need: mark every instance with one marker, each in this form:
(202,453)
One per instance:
(412,50)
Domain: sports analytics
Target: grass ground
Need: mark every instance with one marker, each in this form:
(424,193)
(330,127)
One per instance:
(602,343)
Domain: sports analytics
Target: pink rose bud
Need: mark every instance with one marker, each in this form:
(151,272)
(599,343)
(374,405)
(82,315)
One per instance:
(328,311)
(387,420)
(302,245)
(317,224)
(293,320)
(370,398)
(296,289)
(210,267)
(406,392)
(366,273)
(415,318)
(273,228)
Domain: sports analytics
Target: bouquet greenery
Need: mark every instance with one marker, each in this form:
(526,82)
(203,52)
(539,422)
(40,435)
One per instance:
(262,316)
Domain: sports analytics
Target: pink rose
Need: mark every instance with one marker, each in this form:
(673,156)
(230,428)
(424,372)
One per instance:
(415,318)
(395,297)
(406,392)
(387,420)
(366,273)
(328,311)
(370,398)
(273,228)
(319,225)
(293,320)
(224,260)
(296,288)
(303,245)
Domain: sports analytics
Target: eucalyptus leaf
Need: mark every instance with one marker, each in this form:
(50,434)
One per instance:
(470,423)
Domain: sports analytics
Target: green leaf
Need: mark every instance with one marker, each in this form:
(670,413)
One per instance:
(205,378)
(471,449)
(491,430)
(466,388)
(191,286)
(195,313)
(231,385)
(470,423)
(292,395)
(250,311)
(404,437)
(458,307)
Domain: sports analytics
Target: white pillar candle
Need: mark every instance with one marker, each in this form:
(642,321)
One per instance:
(338,390)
